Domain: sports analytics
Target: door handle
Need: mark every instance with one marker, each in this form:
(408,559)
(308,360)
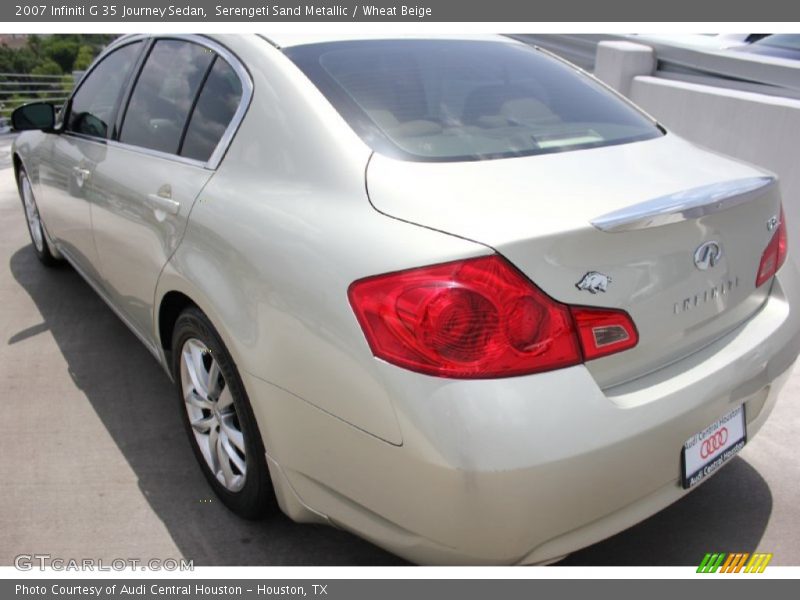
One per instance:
(168,205)
(81,175)
(162,200)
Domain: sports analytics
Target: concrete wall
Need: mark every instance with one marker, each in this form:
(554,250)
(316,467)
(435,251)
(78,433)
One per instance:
(760,129)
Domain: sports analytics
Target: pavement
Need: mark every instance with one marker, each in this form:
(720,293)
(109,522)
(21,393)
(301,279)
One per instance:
(94,462)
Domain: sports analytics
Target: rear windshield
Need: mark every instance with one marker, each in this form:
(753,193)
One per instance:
(466,100)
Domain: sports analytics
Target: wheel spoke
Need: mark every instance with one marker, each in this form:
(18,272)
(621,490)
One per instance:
(230,451)
(214,380)
(204,424)
(198,352)
(213,439)
(224,463)
(193,359)
(225,400)
(234,435)
(193,399)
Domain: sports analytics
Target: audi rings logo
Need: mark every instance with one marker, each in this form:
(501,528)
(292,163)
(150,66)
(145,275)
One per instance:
(714,443)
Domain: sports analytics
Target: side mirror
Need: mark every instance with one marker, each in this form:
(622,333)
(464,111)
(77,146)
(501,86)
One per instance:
(36,115)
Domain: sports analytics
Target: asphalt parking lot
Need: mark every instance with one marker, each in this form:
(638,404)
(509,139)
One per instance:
(94,461)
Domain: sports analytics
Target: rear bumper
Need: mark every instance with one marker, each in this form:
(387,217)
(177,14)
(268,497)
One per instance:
(525,469)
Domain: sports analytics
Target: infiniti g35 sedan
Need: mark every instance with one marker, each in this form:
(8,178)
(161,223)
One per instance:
(451,294)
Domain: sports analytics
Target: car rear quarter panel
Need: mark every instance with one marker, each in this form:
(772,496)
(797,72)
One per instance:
(278,235)
(527,469)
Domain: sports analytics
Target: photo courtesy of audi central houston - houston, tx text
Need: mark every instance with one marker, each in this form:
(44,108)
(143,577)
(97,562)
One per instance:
(452,294)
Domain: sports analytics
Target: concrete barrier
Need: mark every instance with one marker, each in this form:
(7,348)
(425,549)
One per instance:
(617,63)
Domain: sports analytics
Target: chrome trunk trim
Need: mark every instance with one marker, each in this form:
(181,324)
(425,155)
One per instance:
(687,204)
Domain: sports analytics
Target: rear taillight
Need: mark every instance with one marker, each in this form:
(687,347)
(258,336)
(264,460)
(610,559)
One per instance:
(774,254)
(480,318)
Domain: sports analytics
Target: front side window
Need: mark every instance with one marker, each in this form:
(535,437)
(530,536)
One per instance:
(94,105)
(466,99)
(164,95)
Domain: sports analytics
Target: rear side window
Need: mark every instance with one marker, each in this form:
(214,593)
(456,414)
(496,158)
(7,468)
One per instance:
(94,104)
(466,99)
(164,95)
(214,110)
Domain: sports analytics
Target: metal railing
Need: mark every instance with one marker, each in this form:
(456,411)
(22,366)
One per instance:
(17,89)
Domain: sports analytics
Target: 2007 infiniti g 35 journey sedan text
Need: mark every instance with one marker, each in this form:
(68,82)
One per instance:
(451,294)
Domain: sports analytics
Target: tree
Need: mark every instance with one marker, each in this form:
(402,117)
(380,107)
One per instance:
(35,44)
(21,60)
(68,51)
(48,67)
(83,59)
(62,49)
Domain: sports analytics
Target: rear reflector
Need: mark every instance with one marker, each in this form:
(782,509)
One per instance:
(480,318)
(604,331)
(774,254)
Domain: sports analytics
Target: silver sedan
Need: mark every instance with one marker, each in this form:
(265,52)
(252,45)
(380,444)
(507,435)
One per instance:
(451,294)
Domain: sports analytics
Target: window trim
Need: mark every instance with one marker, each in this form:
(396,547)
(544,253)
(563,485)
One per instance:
(221,51)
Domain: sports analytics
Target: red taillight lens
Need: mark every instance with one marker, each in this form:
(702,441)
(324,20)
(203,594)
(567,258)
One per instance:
(774,254)
(476,318)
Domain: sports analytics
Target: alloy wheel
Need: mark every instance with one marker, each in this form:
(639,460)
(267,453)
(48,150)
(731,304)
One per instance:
(32,214)
(212,415)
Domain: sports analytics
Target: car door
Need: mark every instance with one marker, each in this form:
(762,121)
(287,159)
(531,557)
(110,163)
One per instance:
(70,156)
(169,142)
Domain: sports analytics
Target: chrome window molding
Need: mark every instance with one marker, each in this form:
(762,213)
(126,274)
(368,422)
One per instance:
(227,137)
(139,150)
(244,103)
(688,204)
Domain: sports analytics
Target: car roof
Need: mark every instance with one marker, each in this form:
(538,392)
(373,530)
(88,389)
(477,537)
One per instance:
(287,40)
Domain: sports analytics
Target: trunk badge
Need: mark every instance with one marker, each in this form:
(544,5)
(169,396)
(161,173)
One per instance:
(772,223)
(707,255)
(594,282)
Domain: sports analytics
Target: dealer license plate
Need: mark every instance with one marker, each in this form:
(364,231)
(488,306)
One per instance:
(708,450)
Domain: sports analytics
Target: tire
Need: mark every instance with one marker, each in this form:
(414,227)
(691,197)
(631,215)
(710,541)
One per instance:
(39,241)
(218,417)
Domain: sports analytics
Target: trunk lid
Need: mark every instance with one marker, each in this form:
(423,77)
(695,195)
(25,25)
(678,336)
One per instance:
(640,220)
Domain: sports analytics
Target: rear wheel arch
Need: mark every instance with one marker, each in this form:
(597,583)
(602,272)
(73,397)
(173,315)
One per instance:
(175,295)
(213,421)
(172,304)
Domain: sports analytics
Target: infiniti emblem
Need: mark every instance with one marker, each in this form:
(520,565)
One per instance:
(707,255)
(772,223)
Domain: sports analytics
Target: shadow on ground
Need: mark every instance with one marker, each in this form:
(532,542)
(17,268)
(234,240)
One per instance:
(135,401)
(728,513)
